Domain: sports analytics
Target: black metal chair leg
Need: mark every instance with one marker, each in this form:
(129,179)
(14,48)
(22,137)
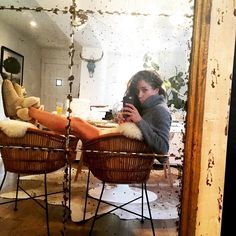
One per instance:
(145,187)
(86,196)
(142,220)
(17,190)
(69,191)
(46,202)
(99,201)
(3,180)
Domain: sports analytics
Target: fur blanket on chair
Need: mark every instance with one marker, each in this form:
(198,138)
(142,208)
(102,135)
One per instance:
(128,129)
(15,128)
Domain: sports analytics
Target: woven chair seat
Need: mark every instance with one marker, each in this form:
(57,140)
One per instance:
(36,152)
(118,159)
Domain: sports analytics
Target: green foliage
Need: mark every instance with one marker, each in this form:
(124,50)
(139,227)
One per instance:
(173,93)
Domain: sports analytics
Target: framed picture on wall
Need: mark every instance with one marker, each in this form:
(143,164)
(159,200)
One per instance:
(12,65)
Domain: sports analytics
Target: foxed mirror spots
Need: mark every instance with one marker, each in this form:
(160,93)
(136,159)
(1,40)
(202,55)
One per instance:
(85,52)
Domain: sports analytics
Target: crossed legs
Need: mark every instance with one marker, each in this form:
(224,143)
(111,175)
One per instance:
(58,123)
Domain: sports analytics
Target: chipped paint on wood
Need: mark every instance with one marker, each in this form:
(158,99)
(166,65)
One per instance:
(215,120)
(220,204)
(211,163)
(215,74)
(220,16)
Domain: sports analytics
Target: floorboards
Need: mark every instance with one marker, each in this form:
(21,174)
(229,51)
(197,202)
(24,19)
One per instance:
(29,220)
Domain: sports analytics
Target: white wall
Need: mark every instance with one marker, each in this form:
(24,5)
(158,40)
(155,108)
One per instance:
(93,88)
(112,73)
(55,66)
(17,42)
(32,61)
(120,68)
(110,78)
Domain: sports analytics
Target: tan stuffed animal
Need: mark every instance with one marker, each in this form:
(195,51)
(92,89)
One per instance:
(15,103)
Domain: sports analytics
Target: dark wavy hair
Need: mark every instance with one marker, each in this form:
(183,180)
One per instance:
(150,77)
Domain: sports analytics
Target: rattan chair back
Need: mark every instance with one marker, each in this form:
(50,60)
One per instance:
(118,159)
(38,152)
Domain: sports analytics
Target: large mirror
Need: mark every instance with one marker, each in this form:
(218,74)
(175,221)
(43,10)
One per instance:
(113,41)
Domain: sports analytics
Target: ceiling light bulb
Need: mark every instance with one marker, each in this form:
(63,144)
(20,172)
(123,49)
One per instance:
(33,23)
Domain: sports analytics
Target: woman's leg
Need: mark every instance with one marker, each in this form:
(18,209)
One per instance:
(83,129)
(58,123)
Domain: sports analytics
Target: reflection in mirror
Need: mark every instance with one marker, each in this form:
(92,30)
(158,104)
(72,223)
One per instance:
(44,45)
(159,40)
(148,35)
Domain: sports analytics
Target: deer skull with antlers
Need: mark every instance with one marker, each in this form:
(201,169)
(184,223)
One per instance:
(91,64)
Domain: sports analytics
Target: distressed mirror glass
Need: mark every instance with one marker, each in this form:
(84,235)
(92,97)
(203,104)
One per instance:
(116,40)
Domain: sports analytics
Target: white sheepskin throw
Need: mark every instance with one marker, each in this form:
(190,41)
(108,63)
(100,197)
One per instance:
(128,129)
(15,128)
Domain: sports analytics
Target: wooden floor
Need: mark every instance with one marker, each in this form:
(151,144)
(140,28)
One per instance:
(29,220)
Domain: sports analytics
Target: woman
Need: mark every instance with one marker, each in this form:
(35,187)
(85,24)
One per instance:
(149,112)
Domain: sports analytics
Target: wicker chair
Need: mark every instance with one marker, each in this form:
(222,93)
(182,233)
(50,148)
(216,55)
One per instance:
(38,152)
(118,160)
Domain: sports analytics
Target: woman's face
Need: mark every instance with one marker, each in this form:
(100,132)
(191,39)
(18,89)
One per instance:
(145,90)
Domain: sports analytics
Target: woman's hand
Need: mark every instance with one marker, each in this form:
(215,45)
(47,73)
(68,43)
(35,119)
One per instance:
(120,118)
(131,111)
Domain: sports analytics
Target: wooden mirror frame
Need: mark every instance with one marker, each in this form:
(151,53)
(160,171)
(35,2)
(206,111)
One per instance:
(194,122)
(195,112)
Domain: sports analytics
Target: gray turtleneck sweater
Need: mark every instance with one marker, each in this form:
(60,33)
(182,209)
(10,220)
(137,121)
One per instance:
(155,123)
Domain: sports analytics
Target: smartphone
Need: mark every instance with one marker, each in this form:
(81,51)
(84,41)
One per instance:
(128,99)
